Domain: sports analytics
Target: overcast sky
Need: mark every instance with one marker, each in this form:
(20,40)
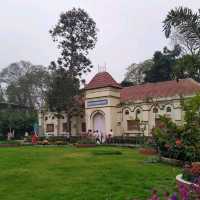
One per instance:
(129,30)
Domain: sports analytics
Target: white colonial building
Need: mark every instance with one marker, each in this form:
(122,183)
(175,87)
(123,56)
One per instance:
(126,110)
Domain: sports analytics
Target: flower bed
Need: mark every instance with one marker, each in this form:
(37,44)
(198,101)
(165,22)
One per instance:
(147,151)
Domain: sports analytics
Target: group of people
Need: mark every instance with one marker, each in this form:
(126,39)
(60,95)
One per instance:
(101,137)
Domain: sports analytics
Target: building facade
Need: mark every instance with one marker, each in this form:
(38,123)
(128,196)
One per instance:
(126,111)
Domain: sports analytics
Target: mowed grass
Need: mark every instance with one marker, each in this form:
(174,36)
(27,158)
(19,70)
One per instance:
(69,173)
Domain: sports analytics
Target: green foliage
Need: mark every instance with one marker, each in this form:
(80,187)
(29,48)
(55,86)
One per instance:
(186,23)
(136,73)
(188,66)
(182,142)
(20,122)
(192,114)
(162,68)
(166,136)
(25,84)
(62,91)
(76,34)
(125,83)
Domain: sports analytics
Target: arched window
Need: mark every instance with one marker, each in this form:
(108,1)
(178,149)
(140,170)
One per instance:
(52,117)
(126,112)
(169,109)
(138,113)
(46,118)
(155,110)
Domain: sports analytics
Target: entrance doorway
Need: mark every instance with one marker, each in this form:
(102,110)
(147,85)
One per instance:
(99,123)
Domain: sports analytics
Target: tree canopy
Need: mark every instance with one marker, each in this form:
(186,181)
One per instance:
(188,66)
(186,23)
(75,34)
(25,84)
(136,73)
(162,68)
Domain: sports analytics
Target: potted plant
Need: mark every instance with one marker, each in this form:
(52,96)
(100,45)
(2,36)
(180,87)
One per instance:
(189,181)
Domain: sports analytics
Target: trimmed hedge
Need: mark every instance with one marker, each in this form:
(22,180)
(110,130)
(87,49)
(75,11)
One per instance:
(136,140)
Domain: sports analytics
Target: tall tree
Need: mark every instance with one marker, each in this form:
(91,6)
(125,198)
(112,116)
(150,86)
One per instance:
(186,24)
(136,73)
(75,34)
(25,84)
(163,63)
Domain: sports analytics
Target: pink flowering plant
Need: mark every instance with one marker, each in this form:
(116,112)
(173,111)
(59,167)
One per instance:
(191,193)
(181,142)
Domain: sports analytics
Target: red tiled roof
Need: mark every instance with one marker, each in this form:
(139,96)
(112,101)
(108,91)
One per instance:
(160,89)
(102,79)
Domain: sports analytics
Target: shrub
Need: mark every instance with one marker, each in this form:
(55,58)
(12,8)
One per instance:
(15,142)
(169,140)
(192,172)
(181,142)
(87,140)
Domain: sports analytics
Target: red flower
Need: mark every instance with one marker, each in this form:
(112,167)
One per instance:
(161,125)
(195,169)
(178,142)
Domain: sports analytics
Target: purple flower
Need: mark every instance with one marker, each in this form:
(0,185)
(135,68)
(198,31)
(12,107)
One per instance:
(154,195)
(174,197)
(184,192)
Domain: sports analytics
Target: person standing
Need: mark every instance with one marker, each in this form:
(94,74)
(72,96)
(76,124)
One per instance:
(98,141)
(9,135)
(110,136)
(34,138)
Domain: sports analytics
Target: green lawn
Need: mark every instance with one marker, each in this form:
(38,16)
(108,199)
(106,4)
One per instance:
(68,173)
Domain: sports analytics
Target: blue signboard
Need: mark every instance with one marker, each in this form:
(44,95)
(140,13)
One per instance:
(101,102)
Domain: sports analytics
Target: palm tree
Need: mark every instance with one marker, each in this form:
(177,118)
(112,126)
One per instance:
(187,24)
